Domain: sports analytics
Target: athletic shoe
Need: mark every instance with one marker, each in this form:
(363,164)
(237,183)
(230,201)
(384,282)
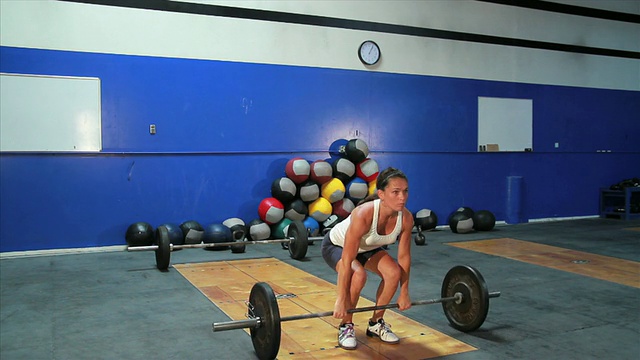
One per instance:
(347,336)
(382,330)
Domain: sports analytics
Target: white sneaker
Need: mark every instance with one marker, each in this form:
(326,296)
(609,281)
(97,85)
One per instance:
(347,336)
(383,330)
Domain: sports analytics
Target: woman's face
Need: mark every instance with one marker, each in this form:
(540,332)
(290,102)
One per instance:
(396,193)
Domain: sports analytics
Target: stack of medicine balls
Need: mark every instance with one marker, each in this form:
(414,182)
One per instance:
(319,193)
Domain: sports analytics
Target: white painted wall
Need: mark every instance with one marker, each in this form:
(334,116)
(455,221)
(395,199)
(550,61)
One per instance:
(103,29)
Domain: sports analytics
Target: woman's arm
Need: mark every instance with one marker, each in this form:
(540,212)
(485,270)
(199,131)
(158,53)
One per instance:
(404,259)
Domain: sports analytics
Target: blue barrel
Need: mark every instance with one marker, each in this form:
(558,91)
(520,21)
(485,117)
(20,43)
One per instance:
(515,186)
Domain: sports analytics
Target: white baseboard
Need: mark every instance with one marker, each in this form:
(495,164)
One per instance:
(563,218)
(35,253)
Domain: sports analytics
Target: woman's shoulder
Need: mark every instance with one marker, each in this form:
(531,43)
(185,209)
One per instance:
(364,210)
(407,217)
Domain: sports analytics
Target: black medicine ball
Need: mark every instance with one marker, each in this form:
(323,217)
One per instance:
(483,220)
(460,223)
(466,210)
(356,150)
(192,232)
(426,219)
(140,234)
(284,189)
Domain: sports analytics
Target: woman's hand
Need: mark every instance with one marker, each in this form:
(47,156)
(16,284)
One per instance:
(340,308)
(404,302)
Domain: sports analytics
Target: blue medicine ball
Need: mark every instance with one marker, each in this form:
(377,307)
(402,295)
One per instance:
(216,233)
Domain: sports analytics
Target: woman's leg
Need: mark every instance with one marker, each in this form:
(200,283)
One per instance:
(358,280)
(332,255)
(389,271)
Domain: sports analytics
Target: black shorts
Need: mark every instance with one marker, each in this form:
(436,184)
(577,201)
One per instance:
(333,253)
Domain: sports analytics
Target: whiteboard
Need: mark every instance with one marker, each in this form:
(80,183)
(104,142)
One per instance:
(505,122)
(49,113)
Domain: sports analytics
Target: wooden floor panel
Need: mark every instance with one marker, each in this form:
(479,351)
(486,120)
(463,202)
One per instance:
(228,283)
(607,268)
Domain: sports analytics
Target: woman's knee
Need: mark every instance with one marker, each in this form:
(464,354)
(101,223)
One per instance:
(359,277)
(391,272)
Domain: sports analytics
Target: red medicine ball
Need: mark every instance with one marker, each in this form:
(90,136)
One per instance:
(321,171)
(297,169)
(271,210)
(367,170)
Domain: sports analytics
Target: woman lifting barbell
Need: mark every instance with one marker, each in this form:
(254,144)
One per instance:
(355,245)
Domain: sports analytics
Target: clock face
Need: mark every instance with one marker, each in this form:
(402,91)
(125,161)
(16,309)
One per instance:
(369,52)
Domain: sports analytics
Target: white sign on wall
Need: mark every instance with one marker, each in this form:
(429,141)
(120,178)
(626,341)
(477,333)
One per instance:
(49,113)
(507,123)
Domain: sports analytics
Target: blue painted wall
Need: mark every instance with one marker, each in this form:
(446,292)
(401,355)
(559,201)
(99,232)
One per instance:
(226,130)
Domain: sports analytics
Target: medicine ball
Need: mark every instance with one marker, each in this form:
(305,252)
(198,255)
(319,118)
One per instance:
(192,232)
(309,191)
(296,210)
(343,208)
(344,170)
(484,220)
(460,223)
(368,170)
(320,209)
(331,221)
(216,233)
(284,189)
(271,210)
(139,234)
(279,230)
(298,169)
(333,190)
(338,148)
(258,230)
(373,186)
(320,171)
(426,219)
(356,150)
(237,227)
(238,233)
(312,226)
(175,234)
(357,189)
(466,210)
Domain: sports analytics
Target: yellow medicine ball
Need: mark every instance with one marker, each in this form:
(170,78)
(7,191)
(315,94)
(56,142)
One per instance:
(372,187)
(333,190)
(320,209)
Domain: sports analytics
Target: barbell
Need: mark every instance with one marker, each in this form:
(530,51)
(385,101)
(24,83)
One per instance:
(297,240)
(464,298)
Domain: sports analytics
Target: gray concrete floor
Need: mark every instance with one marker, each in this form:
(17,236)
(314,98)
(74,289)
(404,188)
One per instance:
(116,305)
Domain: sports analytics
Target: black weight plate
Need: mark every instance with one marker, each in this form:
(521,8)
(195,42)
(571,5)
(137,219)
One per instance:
(299,240)
(265,337)
(163,252)
(471,312)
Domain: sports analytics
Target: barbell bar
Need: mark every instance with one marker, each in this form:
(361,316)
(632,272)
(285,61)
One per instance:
(465,301)
(297,239)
